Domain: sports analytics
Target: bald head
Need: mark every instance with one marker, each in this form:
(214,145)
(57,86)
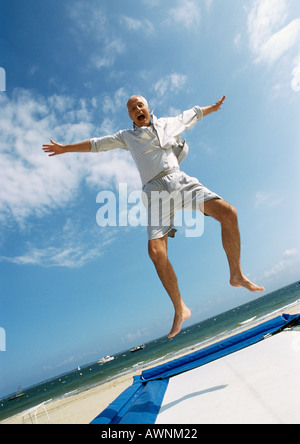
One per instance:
(133,98)
(138,110)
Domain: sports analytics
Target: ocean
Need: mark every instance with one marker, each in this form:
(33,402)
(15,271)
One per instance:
(155,351)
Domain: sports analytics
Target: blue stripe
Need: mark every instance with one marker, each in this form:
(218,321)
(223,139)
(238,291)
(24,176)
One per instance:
(114,412)
(220,349)
(147,406)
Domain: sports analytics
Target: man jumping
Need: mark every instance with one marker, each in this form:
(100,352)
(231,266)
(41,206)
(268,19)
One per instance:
(157,149)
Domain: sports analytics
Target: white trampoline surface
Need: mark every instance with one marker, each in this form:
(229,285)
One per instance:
(259,384)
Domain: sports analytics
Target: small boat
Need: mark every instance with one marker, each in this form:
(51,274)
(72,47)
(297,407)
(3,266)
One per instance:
(137,348)
(18,395)
(106,359)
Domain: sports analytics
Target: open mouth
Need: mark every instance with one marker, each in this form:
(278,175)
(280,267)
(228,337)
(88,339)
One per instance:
(141,117)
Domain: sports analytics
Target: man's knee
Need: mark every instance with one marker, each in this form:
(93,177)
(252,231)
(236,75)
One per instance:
(230,214)
(221,211)
(232,211)
(157,251)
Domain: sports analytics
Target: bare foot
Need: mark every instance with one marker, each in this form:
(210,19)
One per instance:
(179,319)
(244,282)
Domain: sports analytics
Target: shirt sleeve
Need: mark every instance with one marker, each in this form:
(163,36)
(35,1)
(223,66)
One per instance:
(189,118)
(199,112)
(170,127)
(108,143)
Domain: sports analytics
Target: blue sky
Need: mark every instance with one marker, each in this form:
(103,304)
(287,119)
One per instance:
(72,291)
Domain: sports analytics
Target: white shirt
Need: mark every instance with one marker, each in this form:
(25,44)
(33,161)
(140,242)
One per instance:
(155,148)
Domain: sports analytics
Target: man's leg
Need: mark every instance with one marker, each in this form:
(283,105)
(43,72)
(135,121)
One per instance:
(165,271)
(227,216)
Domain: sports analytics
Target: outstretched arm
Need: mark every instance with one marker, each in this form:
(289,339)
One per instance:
(212,108)
(54,149)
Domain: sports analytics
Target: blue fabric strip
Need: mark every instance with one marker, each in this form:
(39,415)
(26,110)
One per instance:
(219,349)
(116,410)
(139,404)
(145,408)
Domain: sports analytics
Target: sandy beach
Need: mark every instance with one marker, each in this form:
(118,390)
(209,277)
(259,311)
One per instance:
(83,407)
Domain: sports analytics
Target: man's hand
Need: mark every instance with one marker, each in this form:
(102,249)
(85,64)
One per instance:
(219,103)
(54,149)
(213,108)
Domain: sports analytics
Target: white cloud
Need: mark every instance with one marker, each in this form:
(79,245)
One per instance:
(92,28)
(89,19)
(135,337)
(138,25)
(117,101)
(71,257)
(173,82)
(273,33)
(290,253)
(289,258)
(280,42)
(237,41)
(32,184)
(264,18)
(263,198)
(177,81)
(295,83)
(209,4)
(72,246)
(108,54)
(186,13)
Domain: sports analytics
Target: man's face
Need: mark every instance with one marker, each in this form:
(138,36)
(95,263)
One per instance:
(138,111)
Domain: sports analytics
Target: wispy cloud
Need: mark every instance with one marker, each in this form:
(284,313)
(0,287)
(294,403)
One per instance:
(135,337)
(170,83)
(112,103)
(71,257)
(296,74)
(264,198)
(59,364)
(289,258)
(134,24)
(187,13)
(89,19)
(237,41)
(112,48)
(96,33)
(280,42)
(74,245)
(32,184)
(29,182)
(265,17)
(272,35)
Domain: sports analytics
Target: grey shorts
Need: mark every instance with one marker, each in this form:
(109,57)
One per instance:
(166,195)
